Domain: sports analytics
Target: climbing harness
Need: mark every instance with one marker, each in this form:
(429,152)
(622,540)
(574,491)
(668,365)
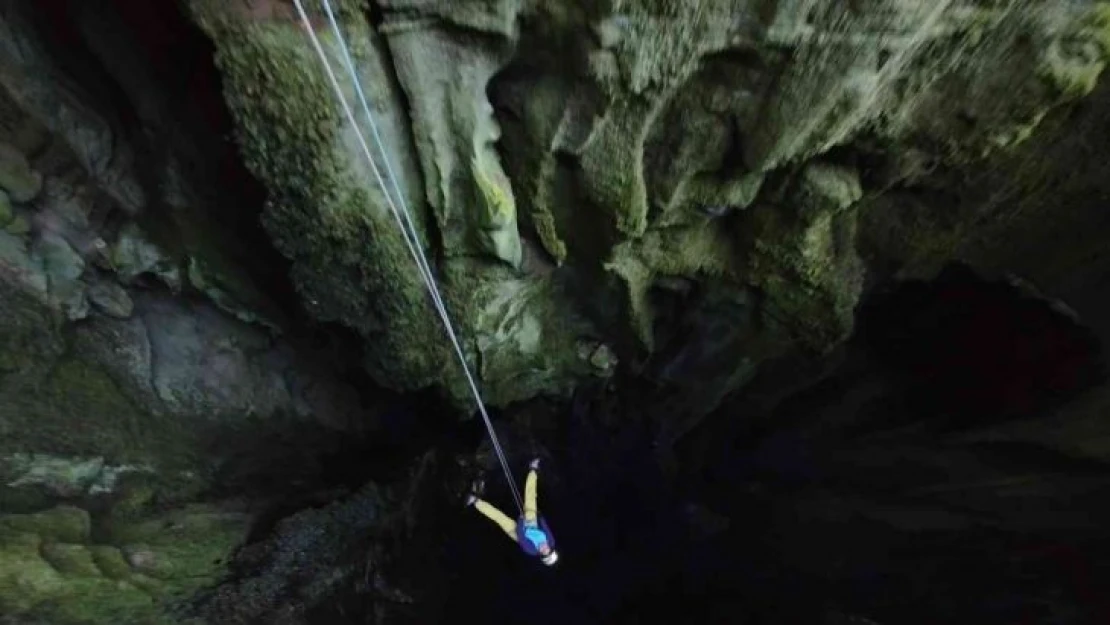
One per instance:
(536,535)
(401,215)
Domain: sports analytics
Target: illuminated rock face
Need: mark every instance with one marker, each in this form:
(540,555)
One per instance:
(669,199)
(564,163)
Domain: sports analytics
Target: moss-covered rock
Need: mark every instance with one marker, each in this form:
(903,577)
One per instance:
(70,560)
(110,562)
(225,291)
(6,214)
(1074,61)
(63,267)
(29,337)
(41,415)
(18,226)
(111,299)
(698,251)
(529,340)
(351,263)
(181,546)
(719,145)
(824,188)
(64,476)
(322,213)
(445,78)
(498,225)
(25,578)
(549,236)
(162,398)
(21,183)
(65,524)
(809,272)
(51,569)
(305,561)
(133,255)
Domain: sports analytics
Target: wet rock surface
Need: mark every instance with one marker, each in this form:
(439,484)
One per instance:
(788,153)
(127,391)
(701,260)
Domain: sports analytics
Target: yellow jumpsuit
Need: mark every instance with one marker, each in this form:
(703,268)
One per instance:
(502,520)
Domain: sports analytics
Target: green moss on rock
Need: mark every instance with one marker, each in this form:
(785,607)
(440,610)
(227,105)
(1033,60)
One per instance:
(544,223)
(809,272)
(25,579)
(70,559)
(825,188)
(21,183)
(528,341)
(62,524)
(109,561)
(48,414)
(714,190)
(498,221)
(350,260)
(183,547)
(133,255)
(226,289)
(6,214)
(18,226)
(1073,62)
(700,250)
(50,571)
(29,332)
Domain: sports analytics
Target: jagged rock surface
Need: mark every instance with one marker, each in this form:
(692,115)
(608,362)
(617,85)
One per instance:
(140,363)
(684,193)
(102,322)
(578,161)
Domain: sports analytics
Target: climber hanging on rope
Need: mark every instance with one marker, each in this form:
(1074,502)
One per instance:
(530,531)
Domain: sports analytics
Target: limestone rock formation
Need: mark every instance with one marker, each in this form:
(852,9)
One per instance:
(51,566)
(204,293)
(143,358)
(574,159)
(132,335)
(350,262)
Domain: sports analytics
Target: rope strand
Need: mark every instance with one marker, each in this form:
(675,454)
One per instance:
(404,221)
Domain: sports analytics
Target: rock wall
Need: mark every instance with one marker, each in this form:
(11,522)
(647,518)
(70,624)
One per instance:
(959,419)
(676,199)
(131,331)
(581,172)
(146,353)
(676,195)
(350,262)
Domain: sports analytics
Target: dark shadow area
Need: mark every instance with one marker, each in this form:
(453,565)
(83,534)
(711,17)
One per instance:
(170,67)
(864,491)
(973,352)
(151,74)
(296,465)
(852,502)
(620,530)
(871,491)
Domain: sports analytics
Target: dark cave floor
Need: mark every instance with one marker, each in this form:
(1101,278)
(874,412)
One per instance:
(840,510)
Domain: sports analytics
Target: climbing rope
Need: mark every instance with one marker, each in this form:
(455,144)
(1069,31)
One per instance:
(401,215)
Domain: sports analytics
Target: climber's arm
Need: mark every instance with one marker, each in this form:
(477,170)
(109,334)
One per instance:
(531,510)
(504,522)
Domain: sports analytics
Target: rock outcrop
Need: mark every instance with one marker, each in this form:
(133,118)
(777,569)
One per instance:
(52,567)
(678,201)
(569,164)
(138,354)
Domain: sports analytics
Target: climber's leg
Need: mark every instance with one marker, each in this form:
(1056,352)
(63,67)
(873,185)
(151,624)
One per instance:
(504,522)
(530,509)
